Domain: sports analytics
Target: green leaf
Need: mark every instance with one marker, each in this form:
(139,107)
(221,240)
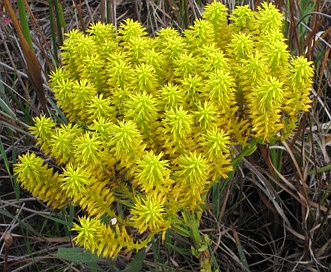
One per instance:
(136,264)
(203,248)
(76,255)
(58,220)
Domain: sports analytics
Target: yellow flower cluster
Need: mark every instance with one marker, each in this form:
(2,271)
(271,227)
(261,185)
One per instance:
(151,120)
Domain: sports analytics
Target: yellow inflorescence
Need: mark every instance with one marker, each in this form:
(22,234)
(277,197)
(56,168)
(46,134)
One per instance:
(151,120)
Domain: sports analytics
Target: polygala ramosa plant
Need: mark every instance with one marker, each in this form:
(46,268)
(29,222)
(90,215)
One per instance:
(152,122)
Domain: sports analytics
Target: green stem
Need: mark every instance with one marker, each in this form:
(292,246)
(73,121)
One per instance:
(200,248)
(245,152)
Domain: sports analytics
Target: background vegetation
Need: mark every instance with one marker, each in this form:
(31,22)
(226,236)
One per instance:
(273,215)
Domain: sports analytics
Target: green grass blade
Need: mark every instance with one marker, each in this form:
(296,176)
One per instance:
(216,198)
(58,220)
(320,170)
(17,188)
(4,107)
(24,22)
(59,117)
(60,22)
(241,251)
(4,101)
(4,157)
(53,32)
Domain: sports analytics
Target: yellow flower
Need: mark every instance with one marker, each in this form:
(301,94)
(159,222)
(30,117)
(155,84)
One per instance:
(216,144)
(88,149)
(206,115)
(102,239)
(89,233)
(125,142)
(192,179)
(76,181)
(265,105)
(130,29)
(148,213)
(61,142)
(42,131)
(152,173)
(36,177)
(269,18)
(243,18)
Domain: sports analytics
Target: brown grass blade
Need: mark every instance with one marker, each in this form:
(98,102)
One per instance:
(310,39)
(293,26)
(33,65)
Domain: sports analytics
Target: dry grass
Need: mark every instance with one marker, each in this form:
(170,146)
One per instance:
(272,215)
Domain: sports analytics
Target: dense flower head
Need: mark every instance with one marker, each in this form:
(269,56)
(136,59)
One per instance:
(103,239)
(201,33)
(38,178)
(216,13)
(126,142)
(61,142)
(101,32)
(152,121)
(170,96)
(192,175)
(76,181)
(211,58)
(268,19)
(149,213)
(241,45)
(207,115)
(88,149)
(130,30)
(42,131)
(153,174)
(243,19)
